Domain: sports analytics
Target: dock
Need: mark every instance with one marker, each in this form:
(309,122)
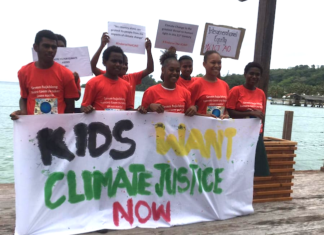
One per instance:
(294,99)
(303,215)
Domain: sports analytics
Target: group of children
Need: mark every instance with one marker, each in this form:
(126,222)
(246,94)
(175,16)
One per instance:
(48,87)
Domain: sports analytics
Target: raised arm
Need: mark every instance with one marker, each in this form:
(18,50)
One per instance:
(150,64)
(94,61)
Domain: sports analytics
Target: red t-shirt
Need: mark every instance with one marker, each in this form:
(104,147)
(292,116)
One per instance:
(133,79)
(242,99)
(176,100)
(107,94)
(210,97)
(185,83)
(46,89)
(79,84)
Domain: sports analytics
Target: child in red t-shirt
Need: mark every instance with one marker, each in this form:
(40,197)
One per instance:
(248,101)
(133,78)
(168,96)
(108,91)
(185,79)
(210,93)
(46,87)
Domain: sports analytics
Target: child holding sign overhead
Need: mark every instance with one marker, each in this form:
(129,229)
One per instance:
(168,96)
(210,93)
(133,78)
(108,91)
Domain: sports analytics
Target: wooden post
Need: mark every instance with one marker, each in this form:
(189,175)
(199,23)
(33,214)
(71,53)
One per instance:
(287,126)
(263,40)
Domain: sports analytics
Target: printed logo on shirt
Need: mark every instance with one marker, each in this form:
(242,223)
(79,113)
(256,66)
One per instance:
(174,108)
(215,110)
(114,103)
(252,105)
(45,106)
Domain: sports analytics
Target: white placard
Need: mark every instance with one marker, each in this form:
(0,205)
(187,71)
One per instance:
(76,173)
(225,40)
(76,59)
(179,35)
(130,37)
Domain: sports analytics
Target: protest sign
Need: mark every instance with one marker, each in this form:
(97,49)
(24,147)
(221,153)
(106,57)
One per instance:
(130,37)
(76,59)
(76,173)
(179,35)
(227,41)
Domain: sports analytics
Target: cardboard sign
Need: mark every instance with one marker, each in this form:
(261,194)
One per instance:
(227,41)
(130,37)
(77,173)
(179,35)
(76,59)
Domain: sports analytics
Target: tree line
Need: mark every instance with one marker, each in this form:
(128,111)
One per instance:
(301,79)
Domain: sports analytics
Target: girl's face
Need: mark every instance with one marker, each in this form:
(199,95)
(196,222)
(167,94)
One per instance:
(252,77)
(186,68)
(213,65)
(171,71)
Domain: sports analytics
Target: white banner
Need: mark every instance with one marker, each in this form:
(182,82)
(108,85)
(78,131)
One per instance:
(130,37)
(226,40)
(76,59)
(76,173)
(179,35)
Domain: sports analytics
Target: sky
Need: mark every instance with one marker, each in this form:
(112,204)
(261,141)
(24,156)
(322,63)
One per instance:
(298,36)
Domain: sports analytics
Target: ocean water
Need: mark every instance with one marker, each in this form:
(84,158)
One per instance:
(308,130)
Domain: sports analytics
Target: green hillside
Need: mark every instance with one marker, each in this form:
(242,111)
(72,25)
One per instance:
(300,79)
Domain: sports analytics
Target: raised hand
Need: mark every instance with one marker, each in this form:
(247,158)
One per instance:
(148,44)
(104,39)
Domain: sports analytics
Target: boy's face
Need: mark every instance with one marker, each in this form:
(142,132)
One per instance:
(114,63)
(46,50)
(186,67)
(124,67)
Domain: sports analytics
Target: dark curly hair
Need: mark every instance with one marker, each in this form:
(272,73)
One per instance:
(44,34)
(109,50)
(167,56)
(61,38)
(185,57)
(253,65)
